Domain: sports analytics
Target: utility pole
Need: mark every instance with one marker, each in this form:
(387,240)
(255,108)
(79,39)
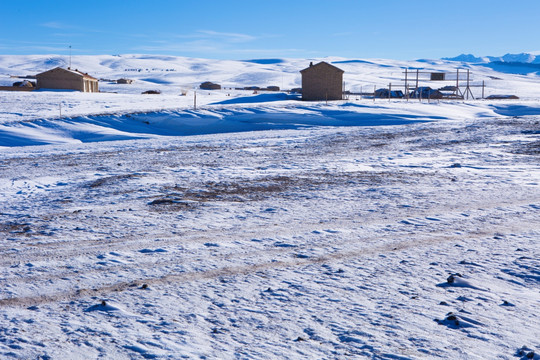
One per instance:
(69,57)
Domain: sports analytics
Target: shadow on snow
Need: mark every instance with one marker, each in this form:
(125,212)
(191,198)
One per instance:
(191,122)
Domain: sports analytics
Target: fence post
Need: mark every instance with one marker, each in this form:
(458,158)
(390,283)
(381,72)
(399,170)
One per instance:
(407,92)
(406,80)
(483,86)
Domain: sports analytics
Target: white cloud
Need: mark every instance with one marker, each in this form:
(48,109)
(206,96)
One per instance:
(55,25)
(211,35)
(228,37)
(211,42)
(209,47)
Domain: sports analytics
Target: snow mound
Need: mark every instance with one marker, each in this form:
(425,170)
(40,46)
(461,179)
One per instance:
(262,98)
(104,307)
(526,353)
(458,321)
(215,120)
(456,281)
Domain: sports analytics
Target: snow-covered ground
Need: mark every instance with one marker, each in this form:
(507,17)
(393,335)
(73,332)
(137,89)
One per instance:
(357,229)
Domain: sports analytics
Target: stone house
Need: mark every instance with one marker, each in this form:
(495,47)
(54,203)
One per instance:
(322,82)
(67,79)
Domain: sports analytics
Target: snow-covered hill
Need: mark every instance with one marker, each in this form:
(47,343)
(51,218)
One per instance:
(524,63)
(42,117)
(173,74)
(526,58)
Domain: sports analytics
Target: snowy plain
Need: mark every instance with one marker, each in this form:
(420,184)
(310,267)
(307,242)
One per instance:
(258,226)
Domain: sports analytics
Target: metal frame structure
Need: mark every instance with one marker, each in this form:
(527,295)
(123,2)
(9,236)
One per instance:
(457,92)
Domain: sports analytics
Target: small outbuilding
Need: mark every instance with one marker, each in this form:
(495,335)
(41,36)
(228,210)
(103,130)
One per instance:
(322,82)
(502,97)
(208,85)
(437,76)
(67,79)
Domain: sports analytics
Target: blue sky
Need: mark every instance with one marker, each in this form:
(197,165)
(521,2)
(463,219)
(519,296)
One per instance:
(271,29)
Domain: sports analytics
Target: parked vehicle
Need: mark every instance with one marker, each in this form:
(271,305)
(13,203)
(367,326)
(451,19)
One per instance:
(385,94)
(425,92)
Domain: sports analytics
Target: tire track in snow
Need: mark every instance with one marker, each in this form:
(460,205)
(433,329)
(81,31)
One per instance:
(65,249)
(432,239)
(87,263)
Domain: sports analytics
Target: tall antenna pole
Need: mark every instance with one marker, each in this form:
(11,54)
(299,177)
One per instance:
(468,89)
(69,57)
(457,83)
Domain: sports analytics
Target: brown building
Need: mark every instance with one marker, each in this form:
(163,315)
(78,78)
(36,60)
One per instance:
(67,79)
(322,82)
(208,85)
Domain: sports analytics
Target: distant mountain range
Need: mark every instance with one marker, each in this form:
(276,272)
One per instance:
(523,58)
